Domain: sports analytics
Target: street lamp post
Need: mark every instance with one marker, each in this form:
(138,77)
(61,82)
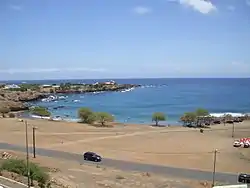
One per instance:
(27,153)
(34,141)
(214,169)
(233,131)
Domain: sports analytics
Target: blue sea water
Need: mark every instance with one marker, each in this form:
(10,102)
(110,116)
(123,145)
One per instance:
(171,96)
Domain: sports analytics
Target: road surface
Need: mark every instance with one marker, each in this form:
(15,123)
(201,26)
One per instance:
(131,166)
(9,184)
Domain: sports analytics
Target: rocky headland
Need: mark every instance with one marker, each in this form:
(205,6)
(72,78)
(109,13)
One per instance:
(15,100)
(14,97)
(88,88)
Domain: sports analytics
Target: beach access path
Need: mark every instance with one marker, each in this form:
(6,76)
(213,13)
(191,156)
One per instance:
(130,166)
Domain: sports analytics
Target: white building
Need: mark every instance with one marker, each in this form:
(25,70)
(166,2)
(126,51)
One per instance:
(11,86)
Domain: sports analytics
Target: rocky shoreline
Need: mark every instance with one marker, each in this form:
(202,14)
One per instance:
(120,87)
(15,99)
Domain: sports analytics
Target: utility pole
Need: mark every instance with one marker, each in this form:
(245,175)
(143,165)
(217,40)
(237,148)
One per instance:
(215,155)
(27,153)
(233,131)
(34,141)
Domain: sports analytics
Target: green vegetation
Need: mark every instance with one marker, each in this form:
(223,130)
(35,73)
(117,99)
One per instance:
(86,115)
(158,116)
(65,86)
(201,114)
(17,89)
(103,117)
(197,118)
(40,111)
(188,118)
(4,110)
(18,166)
(90,117)
(33,87)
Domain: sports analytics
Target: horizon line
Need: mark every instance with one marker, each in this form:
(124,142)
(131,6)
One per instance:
(139,78)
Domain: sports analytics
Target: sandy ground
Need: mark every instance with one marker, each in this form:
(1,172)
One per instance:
(169,146)
(77,175)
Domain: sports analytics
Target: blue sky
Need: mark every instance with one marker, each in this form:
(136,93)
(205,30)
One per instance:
(49,39)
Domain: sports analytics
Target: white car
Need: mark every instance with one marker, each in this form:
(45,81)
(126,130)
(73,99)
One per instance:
(237,144)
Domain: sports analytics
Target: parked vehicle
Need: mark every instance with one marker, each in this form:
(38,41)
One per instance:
(246,145)
(237,144)
(244,178)
(91,156)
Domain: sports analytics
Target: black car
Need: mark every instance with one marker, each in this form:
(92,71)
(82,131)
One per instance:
(91,156)
(244,178)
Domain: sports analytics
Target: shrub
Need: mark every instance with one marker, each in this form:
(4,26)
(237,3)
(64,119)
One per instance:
(103,117)
(40,111)
(86,115)
(20,167)
(158,116)
(12,115)
(188,118)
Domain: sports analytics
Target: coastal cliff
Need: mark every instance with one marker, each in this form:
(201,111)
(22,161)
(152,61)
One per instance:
(15,100)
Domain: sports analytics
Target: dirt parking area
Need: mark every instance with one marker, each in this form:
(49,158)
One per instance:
(170,146)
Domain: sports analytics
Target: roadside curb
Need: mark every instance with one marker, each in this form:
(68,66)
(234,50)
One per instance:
(13,181)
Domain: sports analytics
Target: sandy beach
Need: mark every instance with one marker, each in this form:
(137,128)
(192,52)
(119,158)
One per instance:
(169,146)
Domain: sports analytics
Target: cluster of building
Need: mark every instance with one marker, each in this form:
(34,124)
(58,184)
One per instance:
(11,86)
(53,87)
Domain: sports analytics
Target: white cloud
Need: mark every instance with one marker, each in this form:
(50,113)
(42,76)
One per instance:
(51,70)
(142,10)
(203,6)
(231,8)
(16,7)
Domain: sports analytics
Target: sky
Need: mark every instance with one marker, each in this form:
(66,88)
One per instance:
(79,39)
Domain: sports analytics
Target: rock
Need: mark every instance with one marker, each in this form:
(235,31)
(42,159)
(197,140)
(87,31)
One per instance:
(14,106)
(20,120)
(15,100)
(24,96)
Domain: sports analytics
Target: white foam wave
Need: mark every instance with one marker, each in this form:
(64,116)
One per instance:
(98,92)
(227,113)
(71,119)
(127,90)
(153,86)
(62,97)
(40,117)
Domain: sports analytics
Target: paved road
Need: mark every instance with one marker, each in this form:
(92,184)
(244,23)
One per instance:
(9,184)
(131,166)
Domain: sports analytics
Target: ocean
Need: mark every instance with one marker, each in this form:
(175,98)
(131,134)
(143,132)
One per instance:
(173,96)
